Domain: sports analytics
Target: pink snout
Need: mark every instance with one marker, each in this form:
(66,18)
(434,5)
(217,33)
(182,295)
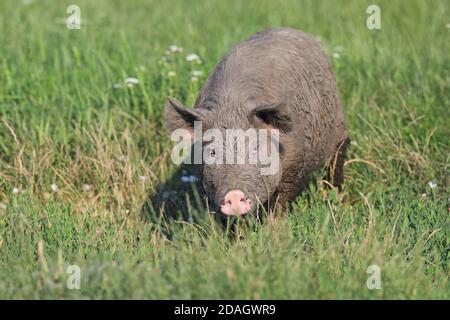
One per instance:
(236,203)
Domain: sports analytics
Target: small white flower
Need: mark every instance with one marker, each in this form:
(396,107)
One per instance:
(171,74)
(143,178)
(197,73)
(432,184)
(353,143)
(54,187)
(447,25)
(87,187)
(194,79)
(132,80)
(336,55)
(15,190)
(189,179)
(192,57)
(117,85)
(423,195)
(175,49)
(3,206)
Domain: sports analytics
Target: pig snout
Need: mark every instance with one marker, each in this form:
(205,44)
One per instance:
(235,203)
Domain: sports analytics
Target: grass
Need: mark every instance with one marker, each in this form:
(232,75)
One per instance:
(63,123)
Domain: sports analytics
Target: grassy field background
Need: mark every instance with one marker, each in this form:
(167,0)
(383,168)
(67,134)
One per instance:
(79,156)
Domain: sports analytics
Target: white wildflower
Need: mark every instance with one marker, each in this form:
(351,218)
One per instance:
(447,25)
(87,187)
(175,49)
(54,187)
(143,178)
(336,55)
(130,82)
(3,206)
(15,190)
(192,58)
(171,74)
(432,184)
(423,195)
(194,79)
(196,73)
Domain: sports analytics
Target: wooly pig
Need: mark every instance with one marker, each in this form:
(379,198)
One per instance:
(277,79)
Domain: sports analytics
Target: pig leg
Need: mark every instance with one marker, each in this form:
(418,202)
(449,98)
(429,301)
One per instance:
(335,169)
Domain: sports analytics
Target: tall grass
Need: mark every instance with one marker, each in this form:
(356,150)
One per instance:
(104,150)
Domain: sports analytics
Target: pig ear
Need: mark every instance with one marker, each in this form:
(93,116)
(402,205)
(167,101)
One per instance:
(177,116)
(273,116)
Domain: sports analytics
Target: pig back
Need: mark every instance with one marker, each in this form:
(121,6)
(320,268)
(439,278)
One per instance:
(282,65)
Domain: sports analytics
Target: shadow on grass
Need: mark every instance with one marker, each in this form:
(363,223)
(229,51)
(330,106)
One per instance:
(180,198)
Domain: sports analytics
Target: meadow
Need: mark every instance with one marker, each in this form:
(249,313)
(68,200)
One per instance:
(82,145)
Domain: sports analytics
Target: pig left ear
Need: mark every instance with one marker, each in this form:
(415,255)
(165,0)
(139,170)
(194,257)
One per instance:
(177,116)
(273,116)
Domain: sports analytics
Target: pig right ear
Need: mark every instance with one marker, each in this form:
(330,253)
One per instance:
(272,116)
(177,116)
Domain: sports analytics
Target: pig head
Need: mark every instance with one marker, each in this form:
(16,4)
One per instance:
(240,153)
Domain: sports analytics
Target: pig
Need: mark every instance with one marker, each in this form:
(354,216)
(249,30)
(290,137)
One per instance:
(277,79)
